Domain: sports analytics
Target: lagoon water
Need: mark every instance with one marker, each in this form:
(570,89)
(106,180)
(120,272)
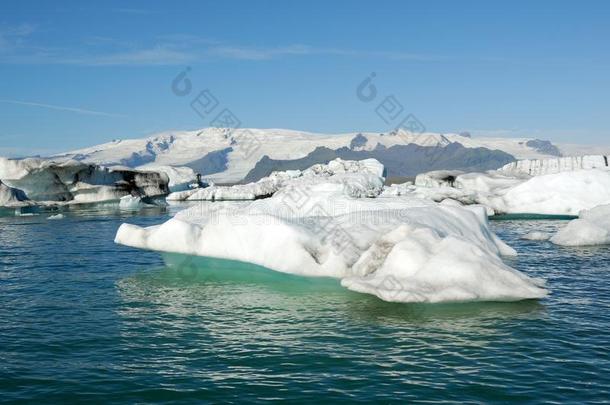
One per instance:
(84,319)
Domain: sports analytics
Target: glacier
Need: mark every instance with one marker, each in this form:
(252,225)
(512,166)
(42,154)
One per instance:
(334,221)
(536,167)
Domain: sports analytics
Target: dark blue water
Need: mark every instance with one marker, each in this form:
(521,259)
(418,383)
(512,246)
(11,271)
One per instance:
(84,319)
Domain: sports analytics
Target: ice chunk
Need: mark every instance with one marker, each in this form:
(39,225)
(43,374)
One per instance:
(537,235)
(591,228)
(418,264)
(130,202)
(56,216)
(565,193)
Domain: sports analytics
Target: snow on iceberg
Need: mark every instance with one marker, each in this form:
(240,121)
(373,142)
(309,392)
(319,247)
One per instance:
(591,228)
(320,225)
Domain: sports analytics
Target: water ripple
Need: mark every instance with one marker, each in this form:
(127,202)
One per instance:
(83,318)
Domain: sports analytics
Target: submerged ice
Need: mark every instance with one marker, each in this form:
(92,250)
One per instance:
(333,221)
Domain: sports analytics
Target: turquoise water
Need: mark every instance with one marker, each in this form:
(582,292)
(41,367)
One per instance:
(84,319)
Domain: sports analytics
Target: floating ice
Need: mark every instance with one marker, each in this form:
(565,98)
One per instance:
(591,228)
(56,216)
(564,193)
(537,235)
(322,225)
(130,202)
(362,178)
(49,182)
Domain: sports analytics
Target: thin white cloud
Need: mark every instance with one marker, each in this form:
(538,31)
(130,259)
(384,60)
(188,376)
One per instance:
(158,55)
(12,37)
(140,11)
(250,53)
(17,46)
(61,108)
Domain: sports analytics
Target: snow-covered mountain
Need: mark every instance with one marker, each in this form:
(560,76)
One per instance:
(227,156)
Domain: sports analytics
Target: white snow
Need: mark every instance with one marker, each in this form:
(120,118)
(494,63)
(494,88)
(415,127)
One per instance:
(591,228)
(249,145)
(397,248)
(563,193)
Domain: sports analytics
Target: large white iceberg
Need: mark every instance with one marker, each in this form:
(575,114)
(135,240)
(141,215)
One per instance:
(591,228)
(398,248)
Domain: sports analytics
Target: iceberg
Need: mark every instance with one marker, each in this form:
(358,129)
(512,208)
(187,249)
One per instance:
(331,221)
(563,193)
(44,181)
(362,178)
(591,228)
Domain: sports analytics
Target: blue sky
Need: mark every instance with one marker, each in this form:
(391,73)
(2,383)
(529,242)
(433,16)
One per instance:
(76,74)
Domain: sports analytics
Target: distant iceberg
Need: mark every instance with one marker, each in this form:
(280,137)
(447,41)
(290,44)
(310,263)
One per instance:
(35,181)
(591,228)
(505,192)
